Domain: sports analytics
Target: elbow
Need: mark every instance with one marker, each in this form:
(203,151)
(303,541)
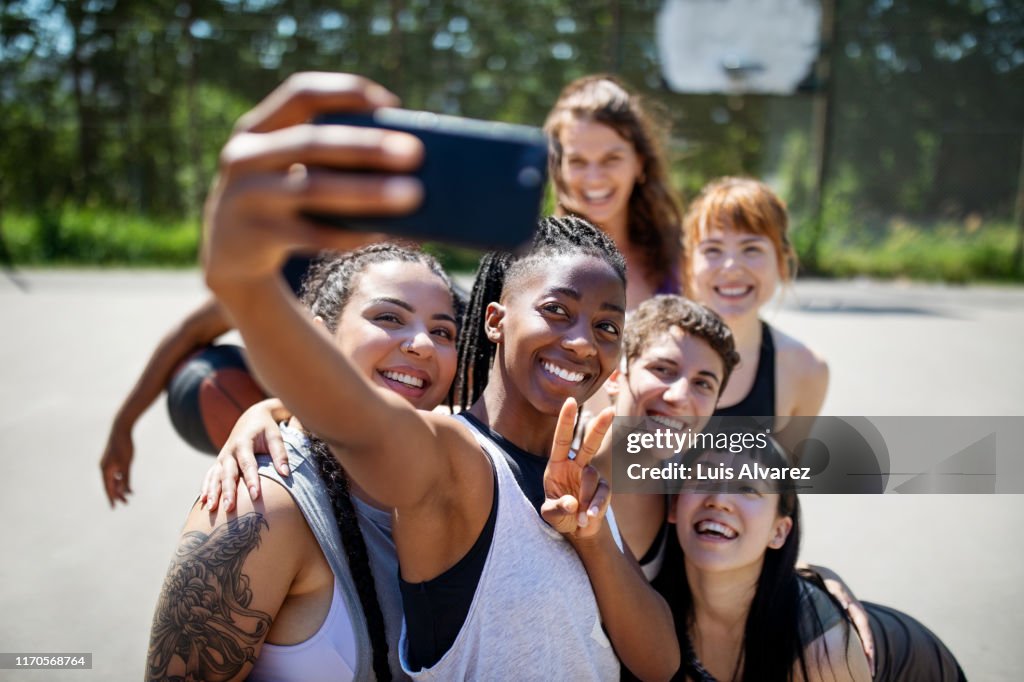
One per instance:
(670,660)
(661,658)
(662,667)
(666,663)
(216,282)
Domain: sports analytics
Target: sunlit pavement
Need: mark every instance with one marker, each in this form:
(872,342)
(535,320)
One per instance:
(77,577)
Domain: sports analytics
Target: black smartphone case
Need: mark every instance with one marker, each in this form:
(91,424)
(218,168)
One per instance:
(483,181)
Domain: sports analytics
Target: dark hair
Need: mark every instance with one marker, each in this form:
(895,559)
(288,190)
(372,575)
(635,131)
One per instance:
(326,290)
(655,217)
(772,638)
(659,314)
(554,237)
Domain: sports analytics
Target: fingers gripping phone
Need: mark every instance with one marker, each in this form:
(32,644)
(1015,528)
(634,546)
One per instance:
(483,181)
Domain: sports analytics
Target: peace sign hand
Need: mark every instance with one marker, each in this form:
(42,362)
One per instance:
(576,497)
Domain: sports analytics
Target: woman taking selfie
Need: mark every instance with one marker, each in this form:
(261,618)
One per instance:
(488,553)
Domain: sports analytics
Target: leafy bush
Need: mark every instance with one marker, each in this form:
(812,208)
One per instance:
(86,236)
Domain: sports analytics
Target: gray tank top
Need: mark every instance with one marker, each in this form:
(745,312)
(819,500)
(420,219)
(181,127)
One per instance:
(534,615)
(308,491)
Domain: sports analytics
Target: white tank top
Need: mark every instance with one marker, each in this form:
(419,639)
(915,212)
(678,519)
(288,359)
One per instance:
(534,615)
(327,656)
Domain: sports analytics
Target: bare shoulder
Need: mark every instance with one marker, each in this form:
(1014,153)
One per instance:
(806,376)
(835,656)
(796,357)
(282,518)
(225,584)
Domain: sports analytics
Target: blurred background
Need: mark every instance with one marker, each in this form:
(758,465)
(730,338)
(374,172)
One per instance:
(901,152)
(898,141)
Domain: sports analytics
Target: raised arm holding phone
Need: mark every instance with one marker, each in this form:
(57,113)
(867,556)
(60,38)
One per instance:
(465,505)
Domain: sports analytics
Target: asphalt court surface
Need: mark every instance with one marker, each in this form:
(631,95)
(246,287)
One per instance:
(78,577)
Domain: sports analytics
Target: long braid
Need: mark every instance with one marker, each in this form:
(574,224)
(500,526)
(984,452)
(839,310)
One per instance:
(325,291)
(555,236)
(336,482)
(476,352)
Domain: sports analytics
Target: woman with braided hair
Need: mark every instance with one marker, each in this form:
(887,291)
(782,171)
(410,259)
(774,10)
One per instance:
(317,554)
(508,568)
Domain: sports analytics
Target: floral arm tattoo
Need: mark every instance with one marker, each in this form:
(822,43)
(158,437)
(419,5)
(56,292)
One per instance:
(203,616)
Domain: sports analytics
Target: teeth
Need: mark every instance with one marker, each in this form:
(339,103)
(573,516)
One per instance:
(671,423)
(732,291)
(415,382)
(597,196)
(717,528)
(574,377)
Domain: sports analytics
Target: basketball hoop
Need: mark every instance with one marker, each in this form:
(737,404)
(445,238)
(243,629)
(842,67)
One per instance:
(738,46)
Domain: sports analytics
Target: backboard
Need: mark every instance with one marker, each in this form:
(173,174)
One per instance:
(738,46)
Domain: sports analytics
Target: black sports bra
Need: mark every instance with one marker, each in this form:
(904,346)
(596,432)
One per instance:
(760,401)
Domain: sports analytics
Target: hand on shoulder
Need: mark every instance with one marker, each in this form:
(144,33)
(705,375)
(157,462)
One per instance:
(240,566)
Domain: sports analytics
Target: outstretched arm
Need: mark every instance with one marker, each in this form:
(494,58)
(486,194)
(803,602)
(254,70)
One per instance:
(198,328)
(276,168)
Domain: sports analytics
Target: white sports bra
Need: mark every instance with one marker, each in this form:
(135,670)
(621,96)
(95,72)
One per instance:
(329,655)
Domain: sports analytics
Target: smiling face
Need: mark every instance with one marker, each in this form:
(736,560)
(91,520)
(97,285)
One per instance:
(398,328)
(559,331)
(598,171)
(721,531)
(734,273)
(675,381)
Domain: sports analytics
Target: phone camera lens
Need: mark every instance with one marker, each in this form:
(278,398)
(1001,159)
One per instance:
(530,177)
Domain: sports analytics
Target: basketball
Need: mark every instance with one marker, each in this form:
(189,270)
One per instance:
(208,393)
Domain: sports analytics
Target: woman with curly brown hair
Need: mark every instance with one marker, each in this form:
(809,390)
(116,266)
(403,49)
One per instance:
(299,585)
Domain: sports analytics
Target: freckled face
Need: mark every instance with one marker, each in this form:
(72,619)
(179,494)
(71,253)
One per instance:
(599,169)
(560,331)
(674,381)
(399,329)
(734,273)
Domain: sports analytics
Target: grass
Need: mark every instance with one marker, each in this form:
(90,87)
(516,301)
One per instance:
(88,236)
(947,252)
(968,251)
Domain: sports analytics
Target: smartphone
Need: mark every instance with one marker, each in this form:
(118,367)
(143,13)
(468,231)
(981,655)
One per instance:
(483,181)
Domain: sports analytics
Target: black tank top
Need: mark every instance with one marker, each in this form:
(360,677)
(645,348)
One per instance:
(760,401)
